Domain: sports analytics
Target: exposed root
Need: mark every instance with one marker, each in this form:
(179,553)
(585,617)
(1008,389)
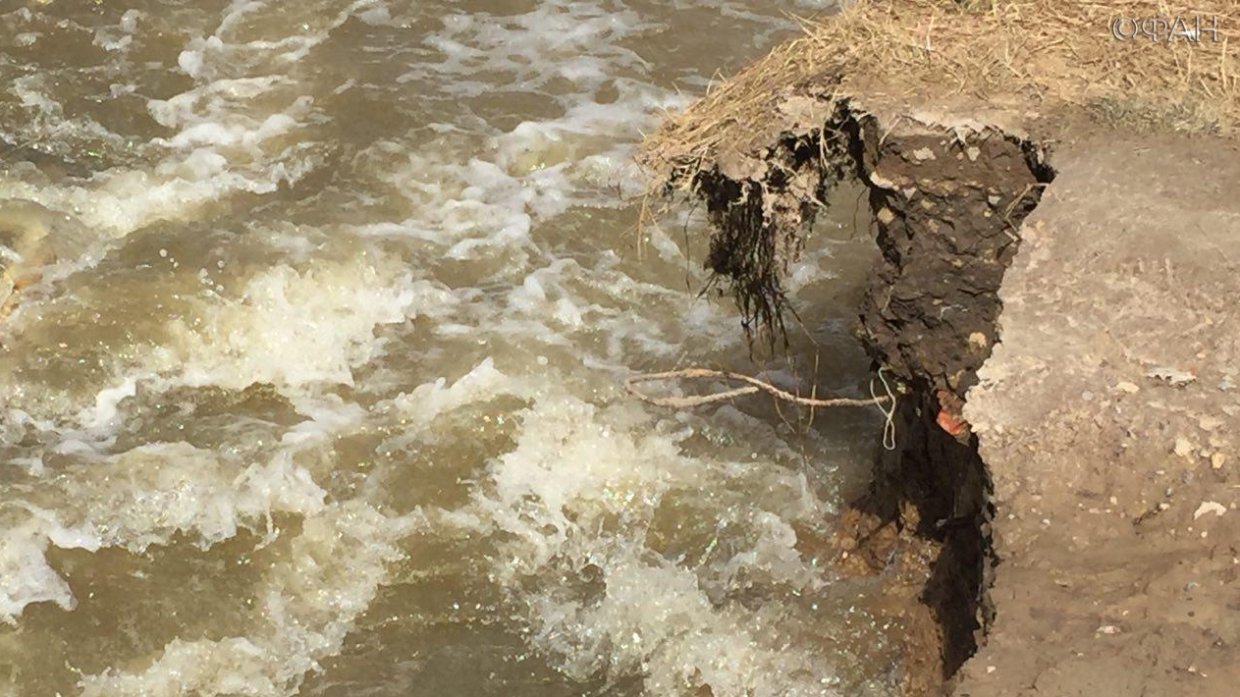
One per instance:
(754,386)
(885,403)
(760,217)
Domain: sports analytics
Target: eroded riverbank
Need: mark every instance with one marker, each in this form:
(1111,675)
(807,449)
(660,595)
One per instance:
(956,183)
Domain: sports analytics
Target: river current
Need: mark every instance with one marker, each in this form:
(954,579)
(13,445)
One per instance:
(330,402)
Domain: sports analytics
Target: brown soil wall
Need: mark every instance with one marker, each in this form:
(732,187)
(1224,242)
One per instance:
(948,209)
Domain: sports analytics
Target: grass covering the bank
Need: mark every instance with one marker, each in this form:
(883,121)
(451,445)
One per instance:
(1035,54)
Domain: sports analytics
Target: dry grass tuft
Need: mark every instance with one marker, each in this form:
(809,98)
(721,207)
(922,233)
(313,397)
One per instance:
(1040,53)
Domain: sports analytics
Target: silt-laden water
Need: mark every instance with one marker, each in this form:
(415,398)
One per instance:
(328,403)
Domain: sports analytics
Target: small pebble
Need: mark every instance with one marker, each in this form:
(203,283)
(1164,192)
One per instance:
(1183,447)
(1209,507)
(1209,423)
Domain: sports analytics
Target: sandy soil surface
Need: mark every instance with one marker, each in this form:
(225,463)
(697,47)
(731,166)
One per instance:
(1109,416)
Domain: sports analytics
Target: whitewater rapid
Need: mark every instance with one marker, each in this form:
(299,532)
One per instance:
(330,403)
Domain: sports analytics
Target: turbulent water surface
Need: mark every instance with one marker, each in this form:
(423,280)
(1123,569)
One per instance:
(327,402)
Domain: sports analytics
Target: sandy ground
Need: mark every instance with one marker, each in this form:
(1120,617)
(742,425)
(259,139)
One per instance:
(1109,416)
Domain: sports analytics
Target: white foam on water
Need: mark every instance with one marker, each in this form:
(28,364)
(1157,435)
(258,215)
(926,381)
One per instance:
(427,401)
(566,455)
(312,598)
(298,326)
(292,327)
(583,488)
(223,142)
(485,201)
(152,493)
(49,122)
(577,41)
(591,140)
(655,620)
(25,576)
(140,498)
(120,37)
(563,302)
(470,208)
(104,412)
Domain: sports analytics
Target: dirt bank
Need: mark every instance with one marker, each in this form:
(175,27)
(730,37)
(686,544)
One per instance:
(947,210)
(1052,297)
(1108,417)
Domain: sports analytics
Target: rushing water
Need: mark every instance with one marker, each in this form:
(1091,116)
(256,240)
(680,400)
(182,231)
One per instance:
(328,403)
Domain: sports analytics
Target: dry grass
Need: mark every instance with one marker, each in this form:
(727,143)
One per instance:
(1041,53)
(737,148)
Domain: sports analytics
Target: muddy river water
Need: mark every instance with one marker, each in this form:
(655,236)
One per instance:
(330,402)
